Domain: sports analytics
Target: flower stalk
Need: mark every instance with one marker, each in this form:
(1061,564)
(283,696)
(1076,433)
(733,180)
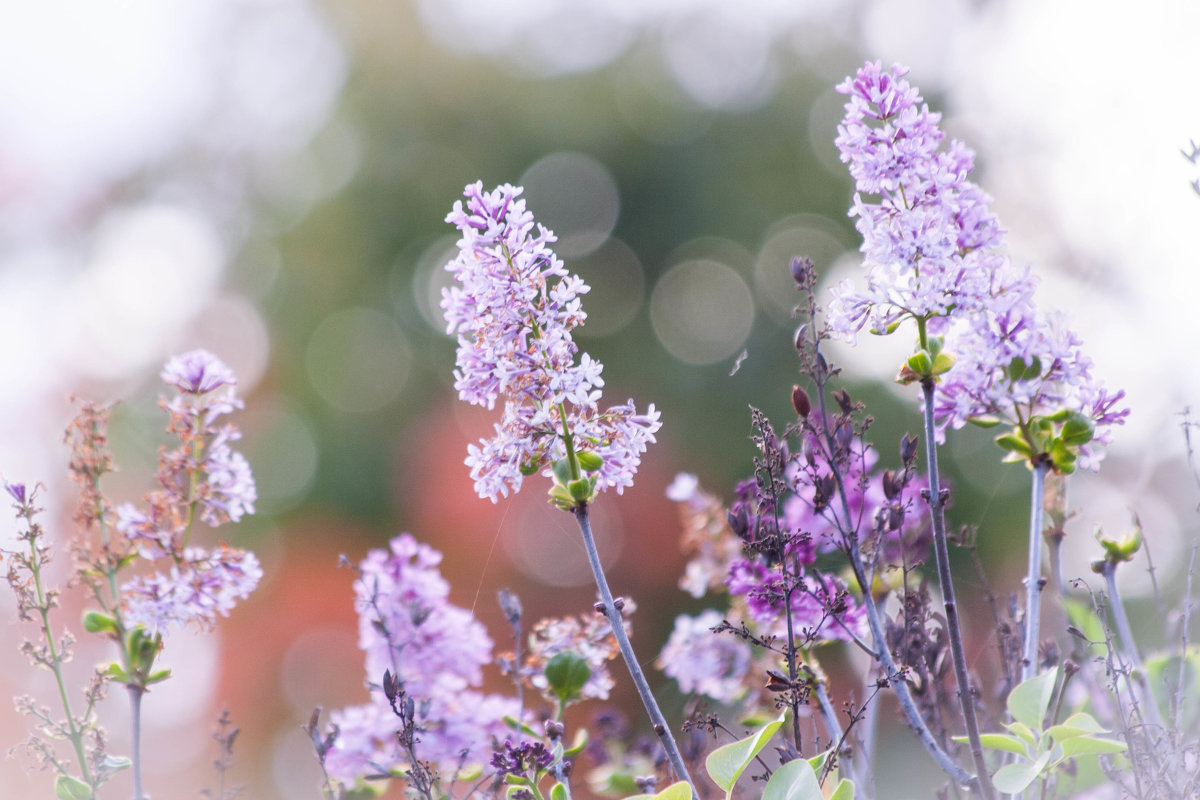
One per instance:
(657,720)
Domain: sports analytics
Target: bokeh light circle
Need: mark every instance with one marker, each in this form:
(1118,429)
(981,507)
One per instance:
(575,196)
(802,235)
(618,288)
(358,360)
(702,311)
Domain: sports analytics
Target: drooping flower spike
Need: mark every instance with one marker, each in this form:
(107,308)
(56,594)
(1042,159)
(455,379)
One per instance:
(513,307)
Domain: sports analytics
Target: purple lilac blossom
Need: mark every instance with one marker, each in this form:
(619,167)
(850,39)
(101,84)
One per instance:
(822,608)
(715,665)
(436,649)
(933,250)
(513,308)
(197,372)
(201,586)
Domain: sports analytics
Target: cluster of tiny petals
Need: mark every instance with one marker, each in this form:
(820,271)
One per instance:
(513,307)
(201,476)
(929,237)
(934,251)
(197,589)
(197,372)
(715,665)
(434,648)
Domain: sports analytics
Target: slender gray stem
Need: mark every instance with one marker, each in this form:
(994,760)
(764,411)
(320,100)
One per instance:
(1128,649)
(657,719)
(829,714)
(1033,579)
(878,635)
(953,628)
(135,704)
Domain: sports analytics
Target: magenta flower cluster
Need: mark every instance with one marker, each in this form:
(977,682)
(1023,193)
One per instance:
(933,251)
(435,649)
(513,308)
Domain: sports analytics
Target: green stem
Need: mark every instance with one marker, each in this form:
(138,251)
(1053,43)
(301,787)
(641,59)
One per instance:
(1033,580)
(568,442)
(966,695)
(657,719)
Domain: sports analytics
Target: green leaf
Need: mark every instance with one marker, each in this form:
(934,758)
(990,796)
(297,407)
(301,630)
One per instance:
(589,461)
(795,780)
(984,422)
(1014,444)
(942,363)
(97,622)
(68,788)
(567,672)
(1001,741)
(676,791)
(726,764)
(920,363)
(1091,745)
(581,740)
(515,725)
(1023,732)
(1078,429)
(562,471)
(1014,778)
(113,764)
(1075,725)
(558,792)
(844,790)
(1028,701)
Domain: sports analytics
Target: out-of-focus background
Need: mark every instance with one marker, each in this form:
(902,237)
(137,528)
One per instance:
(268,179)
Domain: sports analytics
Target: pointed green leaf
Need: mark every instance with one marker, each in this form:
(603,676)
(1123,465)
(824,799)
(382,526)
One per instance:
(558,792)
(676,791)
(68,788)
(1075,725)
(589,461)
(726,764)
(1023,732)
(1014,444)
(1028,701)
(795,780)
(844,790)
(1001,741)
(1015,778)
(581,740)
(1091,745)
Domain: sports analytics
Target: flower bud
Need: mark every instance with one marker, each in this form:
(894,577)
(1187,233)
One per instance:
(800,401)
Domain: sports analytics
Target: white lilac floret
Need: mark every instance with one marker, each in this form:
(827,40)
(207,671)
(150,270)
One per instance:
(513,307)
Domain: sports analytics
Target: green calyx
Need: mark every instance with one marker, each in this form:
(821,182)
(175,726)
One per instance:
(927,363)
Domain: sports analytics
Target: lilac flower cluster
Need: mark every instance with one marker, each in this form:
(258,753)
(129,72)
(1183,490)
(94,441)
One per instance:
(199,586)
(436,651)
(203,475)
(714,665)
(513,308)
(934,253)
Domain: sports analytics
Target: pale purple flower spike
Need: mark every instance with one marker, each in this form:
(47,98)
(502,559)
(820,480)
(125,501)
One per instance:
(933,251)
(513,308)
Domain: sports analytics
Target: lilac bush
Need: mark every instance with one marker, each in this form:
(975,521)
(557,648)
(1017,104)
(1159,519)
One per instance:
(823,550)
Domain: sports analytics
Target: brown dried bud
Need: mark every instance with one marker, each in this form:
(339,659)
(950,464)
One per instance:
(800,401)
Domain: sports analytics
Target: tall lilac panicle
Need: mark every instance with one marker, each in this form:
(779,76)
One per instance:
(435,649)
(929,237)
(934,253)
(201,477)
(513,308)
